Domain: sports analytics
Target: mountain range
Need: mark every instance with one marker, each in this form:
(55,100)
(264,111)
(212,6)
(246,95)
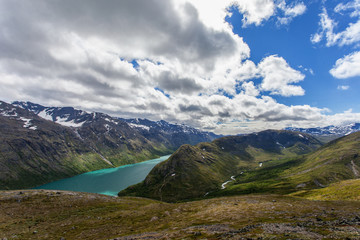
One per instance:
(41,144)
(281,162)
(340,130)
(266,185)
(195,171)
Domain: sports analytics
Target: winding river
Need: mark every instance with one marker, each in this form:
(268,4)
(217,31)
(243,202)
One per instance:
(107,181)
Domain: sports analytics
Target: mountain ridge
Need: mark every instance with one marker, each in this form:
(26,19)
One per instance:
(77,135)
(195,171)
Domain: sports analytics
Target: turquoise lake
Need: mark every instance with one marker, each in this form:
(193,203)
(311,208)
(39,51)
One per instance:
(107,181)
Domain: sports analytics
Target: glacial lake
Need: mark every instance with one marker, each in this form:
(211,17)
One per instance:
(107,181)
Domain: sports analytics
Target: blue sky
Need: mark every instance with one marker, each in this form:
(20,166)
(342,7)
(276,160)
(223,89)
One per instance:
(228,66)
(292,42)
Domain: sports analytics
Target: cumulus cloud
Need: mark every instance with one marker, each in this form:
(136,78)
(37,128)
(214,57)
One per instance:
(160,59)
(348,66)
(278,77)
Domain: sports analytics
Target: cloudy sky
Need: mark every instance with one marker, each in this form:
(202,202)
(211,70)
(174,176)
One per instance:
(219,65)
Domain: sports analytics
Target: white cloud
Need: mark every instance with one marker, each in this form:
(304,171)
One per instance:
(185,52)
(250,89)
(327,26)
(278,77)
(255,11)
(353,6)
(348,66)
(343,87)
(290,11)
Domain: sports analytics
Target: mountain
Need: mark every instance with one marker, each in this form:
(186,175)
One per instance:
(195,171)
(41,144)
(170,135)
(334,162)
(332,130)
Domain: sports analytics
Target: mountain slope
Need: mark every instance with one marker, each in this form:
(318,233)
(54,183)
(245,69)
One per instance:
(194,171)
(170,136)
(336,161)
(34,151)
(51,143)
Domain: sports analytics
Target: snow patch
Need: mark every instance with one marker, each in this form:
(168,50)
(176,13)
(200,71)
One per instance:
(133,125)
(33,127)
(27,123)
(62,121)
(107,126)
(45,115)
(110,120)
(10,113)
(301,136)
(280,144)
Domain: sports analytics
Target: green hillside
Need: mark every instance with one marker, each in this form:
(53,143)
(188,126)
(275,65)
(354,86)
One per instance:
(336,161)
(198,171)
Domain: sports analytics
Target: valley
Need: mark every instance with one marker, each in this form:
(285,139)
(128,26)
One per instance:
(273,184)
(42,144)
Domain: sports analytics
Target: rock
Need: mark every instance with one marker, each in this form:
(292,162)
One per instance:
(154,219)
(35,232)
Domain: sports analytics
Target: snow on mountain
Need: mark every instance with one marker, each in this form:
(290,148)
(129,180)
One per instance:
(341,130)
(71,117)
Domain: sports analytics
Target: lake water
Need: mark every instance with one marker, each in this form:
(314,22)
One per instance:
(107,181)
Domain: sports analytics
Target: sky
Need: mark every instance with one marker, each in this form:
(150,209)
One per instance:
(227,66)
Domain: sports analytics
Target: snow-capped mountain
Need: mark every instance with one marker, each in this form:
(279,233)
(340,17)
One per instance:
(341,130)
(147,125)
(71,117)
(64,141)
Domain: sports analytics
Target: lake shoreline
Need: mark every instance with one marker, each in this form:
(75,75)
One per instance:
(108,181)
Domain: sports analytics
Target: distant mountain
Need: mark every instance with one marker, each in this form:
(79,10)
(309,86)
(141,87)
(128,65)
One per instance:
(177,134)
(41,144)
(341,130)
(195,171)
(172,135)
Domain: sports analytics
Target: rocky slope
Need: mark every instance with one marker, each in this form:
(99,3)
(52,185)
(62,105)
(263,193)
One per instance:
(40,144)
(195,171)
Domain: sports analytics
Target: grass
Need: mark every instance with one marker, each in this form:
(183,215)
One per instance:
(51,215)
(344,190)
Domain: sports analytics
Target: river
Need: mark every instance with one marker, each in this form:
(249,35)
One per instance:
(107,181)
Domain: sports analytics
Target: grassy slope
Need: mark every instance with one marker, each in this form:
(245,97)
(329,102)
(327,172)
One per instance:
(195,171)
(52,215)
(334,162)
(344,190)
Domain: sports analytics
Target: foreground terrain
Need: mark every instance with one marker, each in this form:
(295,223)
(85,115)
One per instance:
(40,214)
